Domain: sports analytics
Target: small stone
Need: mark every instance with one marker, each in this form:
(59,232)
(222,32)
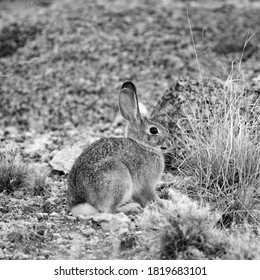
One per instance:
(54,214)
(59,240)
(64,159)
(122,218)
(118,131)
(111,222)
(119,222)
(71,218)
(21,256)
(122,231)
(12,131)
(83,218)
(87,231)
(56,235)
(107,227)
(103,217)
(63,212)
(51,200)
(33,219)
(41,215)
(45,253)
(39,144)
(48,205)
(70,236)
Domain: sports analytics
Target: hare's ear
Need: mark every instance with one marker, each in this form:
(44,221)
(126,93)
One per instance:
(130,86)
(128,105)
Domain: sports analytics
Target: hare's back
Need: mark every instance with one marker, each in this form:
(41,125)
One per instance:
(105,148)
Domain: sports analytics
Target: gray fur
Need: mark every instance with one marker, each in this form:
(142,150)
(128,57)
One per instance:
(119,174)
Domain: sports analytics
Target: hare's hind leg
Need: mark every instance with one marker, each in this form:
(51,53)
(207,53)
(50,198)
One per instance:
(117,189)
(84,209)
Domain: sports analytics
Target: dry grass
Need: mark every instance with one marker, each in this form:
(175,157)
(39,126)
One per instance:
(223,154)
(222,150)
(184,230)
(15,174)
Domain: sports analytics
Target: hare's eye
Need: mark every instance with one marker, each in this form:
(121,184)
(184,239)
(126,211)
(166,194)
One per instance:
(154,130)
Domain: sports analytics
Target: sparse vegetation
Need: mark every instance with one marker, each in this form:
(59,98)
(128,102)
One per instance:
(185,230)
(222,156)
(61,67)
(15,174)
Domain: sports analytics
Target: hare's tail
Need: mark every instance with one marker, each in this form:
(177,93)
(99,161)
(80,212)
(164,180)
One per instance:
(84,209)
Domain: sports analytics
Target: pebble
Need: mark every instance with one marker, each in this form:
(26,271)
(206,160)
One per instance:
(122,231)
(41,215)
(51,200)
(21,256)
(87,231)
(59,240)
(63,213)
(56,235)
(83,218)
(45,253)
(121,217)
(103,217)
(33,219)
(112,222)
(114,226)
(71,218)
(54,214)
(118,131)
(12,131)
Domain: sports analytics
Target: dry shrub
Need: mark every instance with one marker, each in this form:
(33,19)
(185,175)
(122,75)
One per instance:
(15,174)
(184,230)
(222,156)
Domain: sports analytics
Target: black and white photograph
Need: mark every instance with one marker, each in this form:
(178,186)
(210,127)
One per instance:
(130,131)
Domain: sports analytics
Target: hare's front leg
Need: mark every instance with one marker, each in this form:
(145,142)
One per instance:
(147,194)
(130,208)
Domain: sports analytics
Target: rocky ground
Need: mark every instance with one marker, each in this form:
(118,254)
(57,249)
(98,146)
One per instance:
(62,64)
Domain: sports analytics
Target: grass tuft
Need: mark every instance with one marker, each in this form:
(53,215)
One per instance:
(222,157)
(13,172)
(184,230)
(38,183)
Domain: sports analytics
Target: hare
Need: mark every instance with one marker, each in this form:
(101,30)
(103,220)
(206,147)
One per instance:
(120,174)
